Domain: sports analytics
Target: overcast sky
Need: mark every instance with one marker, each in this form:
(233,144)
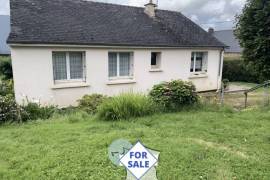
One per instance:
(219,14)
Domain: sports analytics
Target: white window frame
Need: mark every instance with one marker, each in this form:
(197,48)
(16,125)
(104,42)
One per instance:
(204,61)
(158,61)
(117,77)
(69,80)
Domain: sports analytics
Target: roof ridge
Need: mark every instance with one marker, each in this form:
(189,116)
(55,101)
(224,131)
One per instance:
(107,3)
(123,5)
(166,10)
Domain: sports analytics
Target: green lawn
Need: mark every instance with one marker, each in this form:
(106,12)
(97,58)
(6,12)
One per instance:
(193,145)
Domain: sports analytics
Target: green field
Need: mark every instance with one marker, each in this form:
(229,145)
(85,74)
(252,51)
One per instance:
(202,144)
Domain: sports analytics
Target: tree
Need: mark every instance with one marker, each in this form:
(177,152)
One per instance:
(5,68)
(253,31)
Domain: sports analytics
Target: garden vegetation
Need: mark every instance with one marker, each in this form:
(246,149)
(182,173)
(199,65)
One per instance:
(90,103)
(239,71)
(5,68)
(195,144)
(164,97)
(10,111)
(252,30)
(126,106)
(174,95)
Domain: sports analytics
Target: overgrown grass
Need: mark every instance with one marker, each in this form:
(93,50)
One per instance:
(195,144)
(125,106)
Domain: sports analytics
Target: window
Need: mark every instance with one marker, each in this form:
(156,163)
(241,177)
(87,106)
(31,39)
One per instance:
(68,66)
(155,60)
(198,62)
(120,65)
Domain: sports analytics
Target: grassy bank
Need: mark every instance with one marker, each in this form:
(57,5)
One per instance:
(193,145)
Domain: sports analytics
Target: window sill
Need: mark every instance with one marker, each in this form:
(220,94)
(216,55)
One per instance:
(155,70)
(198,75)
(121,81)
(70,85)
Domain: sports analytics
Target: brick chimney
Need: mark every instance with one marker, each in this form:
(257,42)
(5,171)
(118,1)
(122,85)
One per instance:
(150,9)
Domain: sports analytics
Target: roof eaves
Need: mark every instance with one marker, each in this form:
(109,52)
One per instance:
(109,44)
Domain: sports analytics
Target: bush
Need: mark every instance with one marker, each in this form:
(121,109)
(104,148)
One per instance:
(125,106)
(34,111)
(226,83)
(238,70)
(67,110)
(5,68)
(11,112)
(90,103)
(8,109)
(174,95)
(6,88)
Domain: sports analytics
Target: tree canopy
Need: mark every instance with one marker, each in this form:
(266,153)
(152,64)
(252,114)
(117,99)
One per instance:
(253,31)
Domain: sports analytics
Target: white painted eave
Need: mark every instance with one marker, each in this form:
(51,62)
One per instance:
(110,47)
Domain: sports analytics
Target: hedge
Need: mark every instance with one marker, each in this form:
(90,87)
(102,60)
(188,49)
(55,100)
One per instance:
(238,70)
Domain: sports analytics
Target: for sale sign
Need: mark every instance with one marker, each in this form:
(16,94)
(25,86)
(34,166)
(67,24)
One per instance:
(138,160)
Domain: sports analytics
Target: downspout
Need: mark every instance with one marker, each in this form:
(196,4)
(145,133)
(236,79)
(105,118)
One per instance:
(220,71)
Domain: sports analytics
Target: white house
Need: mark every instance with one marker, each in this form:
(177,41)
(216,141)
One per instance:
(64,49)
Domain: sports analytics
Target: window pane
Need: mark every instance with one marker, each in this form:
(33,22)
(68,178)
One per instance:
(153,59)
(59,66)
(76,65)
(112,64)
(205,62)
(192,63)
(124,64)
(199,59)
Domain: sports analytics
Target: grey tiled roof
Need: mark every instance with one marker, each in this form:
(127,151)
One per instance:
(4,31)
(228,38)
(90,23)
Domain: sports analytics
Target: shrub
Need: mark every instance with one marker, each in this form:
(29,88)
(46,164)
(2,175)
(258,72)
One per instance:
(238,70)
(67,110)
(226,83)
(8,109)
(90,103)
(6,88)
(5,68)
(125,106)
(174,95)
(34,111)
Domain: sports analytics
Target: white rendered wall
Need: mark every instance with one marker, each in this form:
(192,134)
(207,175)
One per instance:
(33,73)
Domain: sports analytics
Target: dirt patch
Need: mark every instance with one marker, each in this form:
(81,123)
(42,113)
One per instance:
(236,87)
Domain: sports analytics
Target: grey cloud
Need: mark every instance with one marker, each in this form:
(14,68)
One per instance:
(4,7)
